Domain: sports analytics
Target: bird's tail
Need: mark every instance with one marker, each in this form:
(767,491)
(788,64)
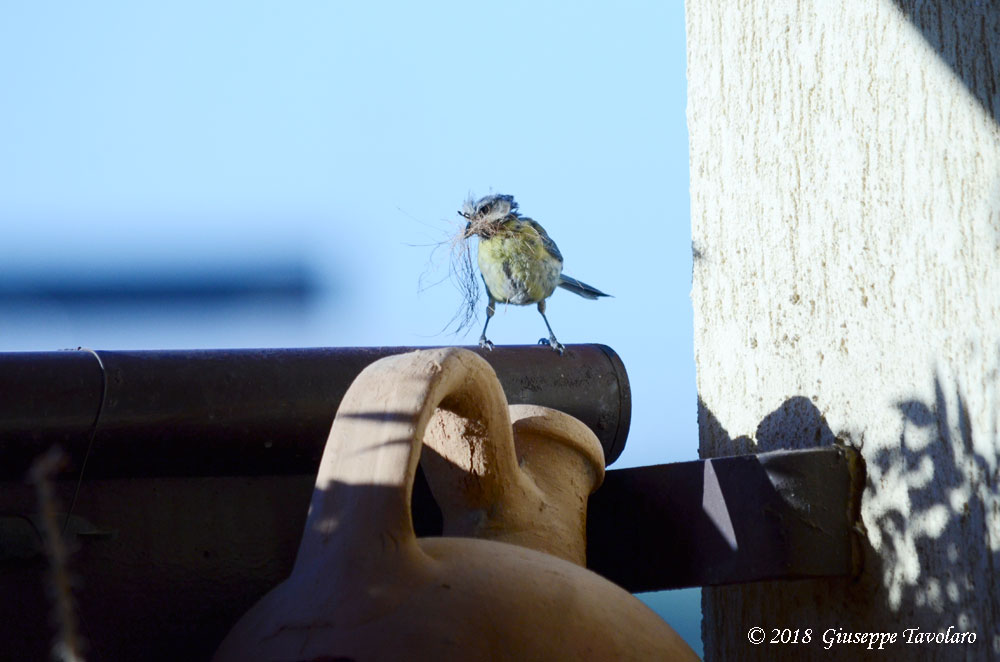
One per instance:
(577,287)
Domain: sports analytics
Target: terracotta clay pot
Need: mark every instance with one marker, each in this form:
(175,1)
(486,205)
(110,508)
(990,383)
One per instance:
(365,588)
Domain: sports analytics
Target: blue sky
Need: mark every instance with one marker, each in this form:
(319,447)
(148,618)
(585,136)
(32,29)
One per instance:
(138,140)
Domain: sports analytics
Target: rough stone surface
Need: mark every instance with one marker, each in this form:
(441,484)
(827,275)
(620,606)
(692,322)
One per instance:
(845,202)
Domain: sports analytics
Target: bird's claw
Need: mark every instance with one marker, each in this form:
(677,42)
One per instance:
(486,344)
(553,343)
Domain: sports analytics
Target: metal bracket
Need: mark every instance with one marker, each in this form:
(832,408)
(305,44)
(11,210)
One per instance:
(727,520)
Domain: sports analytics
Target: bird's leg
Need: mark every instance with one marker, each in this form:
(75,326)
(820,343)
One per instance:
(490,309)
(551,340)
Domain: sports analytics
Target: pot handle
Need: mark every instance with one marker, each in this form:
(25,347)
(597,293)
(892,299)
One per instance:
(360,507)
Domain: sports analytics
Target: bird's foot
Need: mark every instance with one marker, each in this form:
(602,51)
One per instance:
(553,343)
(485,344)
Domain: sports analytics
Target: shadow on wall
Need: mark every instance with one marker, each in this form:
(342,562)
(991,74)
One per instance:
(795,425)
(933,502)
(964,35)
(932,514)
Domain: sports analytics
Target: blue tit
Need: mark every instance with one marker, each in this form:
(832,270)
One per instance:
(519,262)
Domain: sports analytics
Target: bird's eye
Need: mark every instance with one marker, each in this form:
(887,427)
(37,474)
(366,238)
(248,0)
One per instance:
(485,209)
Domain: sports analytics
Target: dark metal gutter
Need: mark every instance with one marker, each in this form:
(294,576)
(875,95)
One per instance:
(249,412)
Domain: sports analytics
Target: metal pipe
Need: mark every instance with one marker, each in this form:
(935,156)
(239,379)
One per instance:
(248,411)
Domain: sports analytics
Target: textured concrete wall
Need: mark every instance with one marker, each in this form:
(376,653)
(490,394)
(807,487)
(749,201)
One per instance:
(845,201)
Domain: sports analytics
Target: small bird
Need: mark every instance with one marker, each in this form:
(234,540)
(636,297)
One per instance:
(519,262)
